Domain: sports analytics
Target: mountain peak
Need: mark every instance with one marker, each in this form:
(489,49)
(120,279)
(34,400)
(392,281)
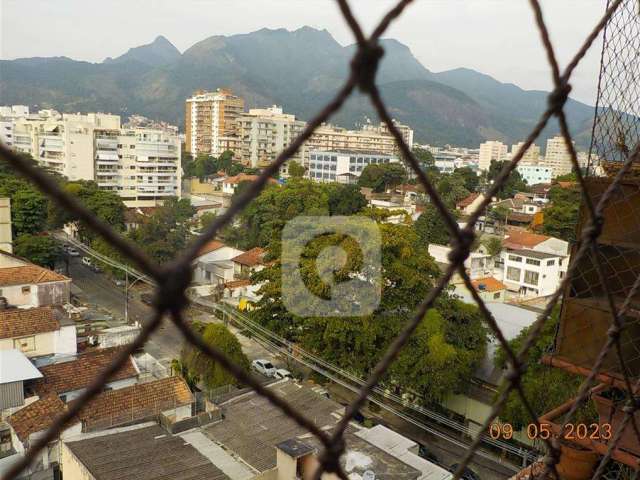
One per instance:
(157,53)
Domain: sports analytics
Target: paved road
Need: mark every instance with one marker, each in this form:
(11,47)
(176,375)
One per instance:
(100,291)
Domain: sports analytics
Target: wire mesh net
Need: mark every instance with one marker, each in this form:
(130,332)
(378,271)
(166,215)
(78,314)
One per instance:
(594,272)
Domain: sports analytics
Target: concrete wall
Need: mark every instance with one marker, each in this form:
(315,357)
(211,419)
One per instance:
(45,344)
(71,467)
(6,242)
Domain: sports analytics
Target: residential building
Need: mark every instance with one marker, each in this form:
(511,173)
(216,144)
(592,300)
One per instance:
(24,284)
(557,157)
(479,264)
(211,122)
(16,371)
(343,166)
(382,129)
(533,273)
(369,139)
(519,239)
(141,164)
(535,173)
(6,237)
(213,264)
(8,113)
(229,184)
(37,332)
(491,150)
(265,133)
(469,204)
(69,377)
(249,262)
(530,157)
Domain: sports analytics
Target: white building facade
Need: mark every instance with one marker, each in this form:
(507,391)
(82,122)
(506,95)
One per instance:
(533,273)
(557,157)
(490,151)
(534,174)
(342,166)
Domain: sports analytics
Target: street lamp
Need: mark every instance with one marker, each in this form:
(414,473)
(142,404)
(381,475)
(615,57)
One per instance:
(126,293)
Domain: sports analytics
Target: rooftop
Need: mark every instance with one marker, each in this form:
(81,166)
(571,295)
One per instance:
(136,402)
(29,275)
(295,448)
(143,452)
(252,427)
(19,322)
(211,246)
(251,258)
(488,284)
(465,202)
(78,373)
(534,254)
(36,416)
(15,367)
(519,239)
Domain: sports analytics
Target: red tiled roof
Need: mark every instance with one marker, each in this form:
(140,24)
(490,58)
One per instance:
(138,401)
(243,177)
(465,202)
(520,239)
(211,246)
(76,374)
(490,284)
(19,322)
(251,258)
(29,275)
(36,416)
(237,283)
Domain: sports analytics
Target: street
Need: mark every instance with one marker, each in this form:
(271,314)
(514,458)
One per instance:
(97,289)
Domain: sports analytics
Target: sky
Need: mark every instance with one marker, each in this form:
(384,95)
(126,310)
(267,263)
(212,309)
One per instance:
(496,37)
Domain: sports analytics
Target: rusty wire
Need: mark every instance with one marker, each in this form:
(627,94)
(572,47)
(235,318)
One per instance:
(174,279)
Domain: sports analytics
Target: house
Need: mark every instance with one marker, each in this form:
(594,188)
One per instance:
(519,239)
(479,264)
(241,293)
(248,262)
(213,265)
(16,375)
(24,284)
(30,422)
(230,184)
(37,332)
(68,379)
(533,273)
(469,204)
(169,396)
(489,289)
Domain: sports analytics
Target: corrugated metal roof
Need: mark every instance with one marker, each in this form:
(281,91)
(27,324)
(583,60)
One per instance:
(14,367)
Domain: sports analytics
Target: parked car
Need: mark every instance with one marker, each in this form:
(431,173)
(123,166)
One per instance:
(281,374)
(467,473)
(72,252)
(87,261)
(265,367)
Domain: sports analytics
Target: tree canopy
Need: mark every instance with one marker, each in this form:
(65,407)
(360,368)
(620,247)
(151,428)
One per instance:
(381,176)
(431,227)
(513,184)
(42,250)
(560,218)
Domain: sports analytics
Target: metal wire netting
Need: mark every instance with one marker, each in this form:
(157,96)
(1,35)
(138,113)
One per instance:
(615,138)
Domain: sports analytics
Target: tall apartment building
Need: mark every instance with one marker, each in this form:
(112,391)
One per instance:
(210,122)
(369,139)
(490,151)
(382,129)
(141,164)
(557,156)
(7,115)
(264,133)
(530,157)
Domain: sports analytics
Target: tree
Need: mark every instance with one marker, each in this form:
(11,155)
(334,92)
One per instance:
(493,245)
(207,219)
(28,211)
(431,227)
(424,157)
(512,185)
(452,189)
(471,181)
(345,199)
(544,386)
(560,218)
(42,250)
(209,371)
(381,176)
(296,170)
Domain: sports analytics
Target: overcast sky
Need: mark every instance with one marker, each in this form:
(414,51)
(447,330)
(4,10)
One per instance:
(496,37)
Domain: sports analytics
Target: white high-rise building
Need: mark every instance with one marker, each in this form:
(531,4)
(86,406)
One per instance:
(8,113)
(264,133)
(141,164)
(491,150)
(557,157)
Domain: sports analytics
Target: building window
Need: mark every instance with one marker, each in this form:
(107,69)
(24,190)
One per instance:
(26,289)
(496,295)
(531,277)
(533,261)
(551,262)
(25,344)
(513,274)
(515,258)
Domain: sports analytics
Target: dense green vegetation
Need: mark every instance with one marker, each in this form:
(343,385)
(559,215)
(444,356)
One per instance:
(512,185)
(381,177)
(560,218)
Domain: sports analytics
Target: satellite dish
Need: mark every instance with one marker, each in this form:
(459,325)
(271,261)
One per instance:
(369,475)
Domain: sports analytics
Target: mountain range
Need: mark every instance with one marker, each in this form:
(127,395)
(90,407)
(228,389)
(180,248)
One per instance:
(300,70)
